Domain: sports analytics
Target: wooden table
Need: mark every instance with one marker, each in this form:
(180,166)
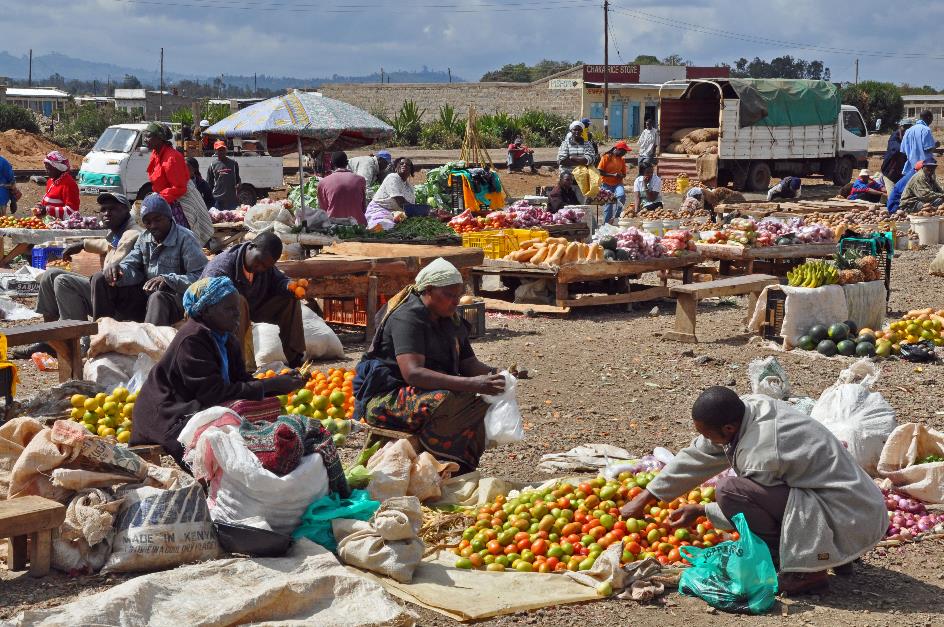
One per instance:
(369,270)
(228,233)
(34,517)
(776,260)
(610,277)
(62,335)
(24,240)
(571,232)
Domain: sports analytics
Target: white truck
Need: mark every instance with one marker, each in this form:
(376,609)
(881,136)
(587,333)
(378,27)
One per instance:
(118,163)
(765,127)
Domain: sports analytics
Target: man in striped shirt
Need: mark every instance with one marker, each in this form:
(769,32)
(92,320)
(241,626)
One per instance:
(574,151)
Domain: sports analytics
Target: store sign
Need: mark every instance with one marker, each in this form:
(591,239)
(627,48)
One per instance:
(564,83)
(617,73)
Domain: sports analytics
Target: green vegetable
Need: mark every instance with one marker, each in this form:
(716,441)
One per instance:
(311,194)
(366,454)
(409,229)
(357,477)
(930,459)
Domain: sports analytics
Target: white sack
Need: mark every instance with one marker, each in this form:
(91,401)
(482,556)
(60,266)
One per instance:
(320,341)
(804,308)
(267,344)
(130,338)
(388,544)
(109,370)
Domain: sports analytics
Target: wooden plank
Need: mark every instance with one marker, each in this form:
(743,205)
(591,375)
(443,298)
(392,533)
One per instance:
(16,553)
(727,287)
(49,332)
(650,293)
(17,250)
(420,255)
(493,304)
(328,265)
(40,553)
(372,299)
(793,251)
(686,310)
(28,514)
(611,269)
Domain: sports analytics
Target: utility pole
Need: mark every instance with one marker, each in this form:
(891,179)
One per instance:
(255,85)
(606,69)
(160,109)
(857,72)
(29,80)
(450,73)
(381,76)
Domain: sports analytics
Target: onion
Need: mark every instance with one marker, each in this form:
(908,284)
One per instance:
(898,521)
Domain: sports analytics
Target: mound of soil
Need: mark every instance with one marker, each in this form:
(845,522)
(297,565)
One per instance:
(26,151)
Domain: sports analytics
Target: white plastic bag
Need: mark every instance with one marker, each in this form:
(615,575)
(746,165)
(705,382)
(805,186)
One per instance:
(860,418)
(320,341)
(267,344)
(768,377)
(503,419)
(142,367)
(110,370)
(269,216)
(906,445)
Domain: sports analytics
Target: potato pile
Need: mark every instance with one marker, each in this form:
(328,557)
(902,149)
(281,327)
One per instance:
(555,251)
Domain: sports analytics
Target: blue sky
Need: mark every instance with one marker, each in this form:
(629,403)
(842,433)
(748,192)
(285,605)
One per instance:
(308,38)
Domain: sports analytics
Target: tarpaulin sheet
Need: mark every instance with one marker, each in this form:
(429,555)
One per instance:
(782,102)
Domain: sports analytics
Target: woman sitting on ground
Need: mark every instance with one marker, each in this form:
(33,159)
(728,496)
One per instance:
(203,367)
(420,374)
(393,194)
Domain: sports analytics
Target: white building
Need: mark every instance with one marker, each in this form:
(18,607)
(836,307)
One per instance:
(45,100)
(131,100)
(915,104)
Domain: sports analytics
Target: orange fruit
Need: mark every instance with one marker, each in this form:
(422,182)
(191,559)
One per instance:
(303,282)
(292,285)
(300,292)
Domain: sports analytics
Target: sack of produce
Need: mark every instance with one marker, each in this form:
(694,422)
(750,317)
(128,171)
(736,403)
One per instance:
(860,418)
(268,216)
(503,418)
(680,134)
(162,528)
(913,460)
(937,265)
(267,344)
(675,148)
(734,576)
(320,341)
(388,544)
(703,135)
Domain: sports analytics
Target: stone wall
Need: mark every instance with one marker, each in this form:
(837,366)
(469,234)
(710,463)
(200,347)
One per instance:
(512,98)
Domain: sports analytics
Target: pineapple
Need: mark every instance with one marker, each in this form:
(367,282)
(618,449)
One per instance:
(847,277)
(868,265)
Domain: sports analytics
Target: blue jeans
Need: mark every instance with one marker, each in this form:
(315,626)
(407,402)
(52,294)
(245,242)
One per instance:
(612,211)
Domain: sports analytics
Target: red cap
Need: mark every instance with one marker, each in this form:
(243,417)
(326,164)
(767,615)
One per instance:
(622,145)
(219,144)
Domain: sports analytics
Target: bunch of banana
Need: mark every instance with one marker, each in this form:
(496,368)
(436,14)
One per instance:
(813,274)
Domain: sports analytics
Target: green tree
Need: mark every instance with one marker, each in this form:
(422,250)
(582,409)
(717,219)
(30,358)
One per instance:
(523,73)
(14,117)
(646,59)
(914,90)
(875,101)
(675,59)
(130,81)
(780,67)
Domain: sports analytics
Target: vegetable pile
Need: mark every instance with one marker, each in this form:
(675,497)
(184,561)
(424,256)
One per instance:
(11,222)
(556,251)
(770,232)
(568,527)
(843,338)
(75,221)
(406,230)
(909,518)
(918,325)
(236,215)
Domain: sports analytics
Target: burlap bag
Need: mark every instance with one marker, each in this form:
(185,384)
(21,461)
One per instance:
(388,544)
(907,444)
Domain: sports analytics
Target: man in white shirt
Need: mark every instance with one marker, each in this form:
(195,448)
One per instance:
(648,141)
(374,168)
(648,188)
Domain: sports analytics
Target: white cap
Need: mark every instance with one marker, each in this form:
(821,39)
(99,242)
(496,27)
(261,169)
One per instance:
(204,123)
(864,172)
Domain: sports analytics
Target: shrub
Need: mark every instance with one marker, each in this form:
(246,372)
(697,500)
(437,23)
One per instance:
(437,136)
(14,117)
(182,116)
(407,124)
(876,100)
(543,129)
(82,125)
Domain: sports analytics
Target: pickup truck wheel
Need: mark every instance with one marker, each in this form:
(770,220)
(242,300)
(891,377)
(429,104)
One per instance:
(144,191)
(246,195)
(842,171)
(758,177)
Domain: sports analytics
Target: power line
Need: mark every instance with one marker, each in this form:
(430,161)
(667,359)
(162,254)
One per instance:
(296,7)
(707,30)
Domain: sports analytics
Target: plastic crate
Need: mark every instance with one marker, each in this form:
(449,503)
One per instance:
(501,242)
(773,315)
(43,255)
(349,311)
(474,314)
(879,246)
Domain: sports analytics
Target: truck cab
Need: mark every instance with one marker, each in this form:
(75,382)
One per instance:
(118,163)
(852,150)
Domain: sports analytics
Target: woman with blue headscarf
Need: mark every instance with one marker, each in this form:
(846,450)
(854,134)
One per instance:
(203,367)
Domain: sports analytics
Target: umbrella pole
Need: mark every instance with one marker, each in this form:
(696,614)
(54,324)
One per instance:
(301,182)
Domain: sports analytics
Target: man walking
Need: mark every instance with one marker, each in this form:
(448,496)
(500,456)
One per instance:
(648,142)
(223,178)
(918,143)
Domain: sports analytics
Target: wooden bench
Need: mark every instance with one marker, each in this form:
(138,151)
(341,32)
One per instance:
(32,516)
(379,434)
(687,297)
(62,335)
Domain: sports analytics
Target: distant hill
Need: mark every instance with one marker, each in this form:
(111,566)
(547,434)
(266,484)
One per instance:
(70,68)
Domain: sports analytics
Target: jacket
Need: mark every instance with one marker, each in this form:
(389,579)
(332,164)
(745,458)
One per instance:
(168,173)
(179,259)
(612,169)
(265,285)
(61,192)
(834,513)
(920,190)
(118,245)
(188,379)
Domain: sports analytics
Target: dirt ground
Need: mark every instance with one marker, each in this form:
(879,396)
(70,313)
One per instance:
(606,375)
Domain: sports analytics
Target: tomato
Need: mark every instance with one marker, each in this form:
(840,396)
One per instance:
(682,534)
(511,548)
(560,567)
(634,548)
(674,555)
(522,535)
(464,563)
(707,524)
(544,568)
(552,562)
(586,488)
(591,501)
(580,516)
(573,538)
(653,536)
(735,536)
(528,556)
(618,534)
(711,537)
(539,547)
(605,541)
(586,564)
(563,503)
(570,528)
(496,567)
(607,521)
(476,560)
(634,491)
(663,560)
(523,544)
(567,548)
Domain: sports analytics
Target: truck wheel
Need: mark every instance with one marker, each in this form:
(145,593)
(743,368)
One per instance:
(842,171)
(246,195)
(144,191)
(758,177)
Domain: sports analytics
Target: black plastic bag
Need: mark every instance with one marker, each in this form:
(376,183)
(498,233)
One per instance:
(921,352)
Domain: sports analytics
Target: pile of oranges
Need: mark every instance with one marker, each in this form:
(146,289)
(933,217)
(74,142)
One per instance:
(336,387)
(299,288)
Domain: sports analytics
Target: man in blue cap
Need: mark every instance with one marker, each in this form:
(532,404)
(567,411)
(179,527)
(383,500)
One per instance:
(372,167)
(149,283)
(923,190)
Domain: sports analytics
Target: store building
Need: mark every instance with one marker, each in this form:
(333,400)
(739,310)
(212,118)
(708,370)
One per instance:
(915,104)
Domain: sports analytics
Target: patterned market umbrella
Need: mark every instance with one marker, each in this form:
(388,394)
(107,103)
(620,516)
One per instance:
(300,121)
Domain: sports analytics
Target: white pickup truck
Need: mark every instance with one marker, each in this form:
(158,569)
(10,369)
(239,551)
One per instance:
(118,163)
(765,127)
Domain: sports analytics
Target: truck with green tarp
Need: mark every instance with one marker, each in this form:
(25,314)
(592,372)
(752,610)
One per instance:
(759,128)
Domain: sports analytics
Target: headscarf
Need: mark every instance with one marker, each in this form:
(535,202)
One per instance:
(154,203)
(58,161)
(440,273)
(155,128)
(795,183)
(205,293)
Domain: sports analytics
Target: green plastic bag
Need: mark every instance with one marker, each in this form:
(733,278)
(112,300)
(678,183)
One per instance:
(732,576)
(316,521)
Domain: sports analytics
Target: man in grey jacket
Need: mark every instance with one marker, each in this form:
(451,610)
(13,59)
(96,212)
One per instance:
(798,487)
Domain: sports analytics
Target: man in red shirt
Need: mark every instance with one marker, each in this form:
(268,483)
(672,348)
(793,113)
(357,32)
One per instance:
(343,194)
(520,156)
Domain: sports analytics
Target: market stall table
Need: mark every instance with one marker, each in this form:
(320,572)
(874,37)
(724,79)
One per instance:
(367,271)
(24,240)
(229,232)
(777,260)
(568,279)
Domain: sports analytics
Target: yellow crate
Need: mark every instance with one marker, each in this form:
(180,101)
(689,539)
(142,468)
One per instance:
(501,242)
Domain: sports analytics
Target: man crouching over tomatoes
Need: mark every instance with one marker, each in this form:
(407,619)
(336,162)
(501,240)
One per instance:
(798,487)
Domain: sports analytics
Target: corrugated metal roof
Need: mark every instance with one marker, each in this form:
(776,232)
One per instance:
(36,92)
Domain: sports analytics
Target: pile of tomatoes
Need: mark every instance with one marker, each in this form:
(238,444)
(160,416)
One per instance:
(567,527)
(12,222)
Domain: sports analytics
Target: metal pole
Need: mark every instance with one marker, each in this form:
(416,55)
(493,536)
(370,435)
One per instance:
(857,72)
(450,74)
(160,114)
(606,69)
(299,213)
(29,81)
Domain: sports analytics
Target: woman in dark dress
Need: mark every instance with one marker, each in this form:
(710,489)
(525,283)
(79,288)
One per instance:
(203,367)
(420,374)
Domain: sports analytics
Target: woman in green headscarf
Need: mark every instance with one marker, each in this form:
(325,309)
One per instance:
(421,375)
